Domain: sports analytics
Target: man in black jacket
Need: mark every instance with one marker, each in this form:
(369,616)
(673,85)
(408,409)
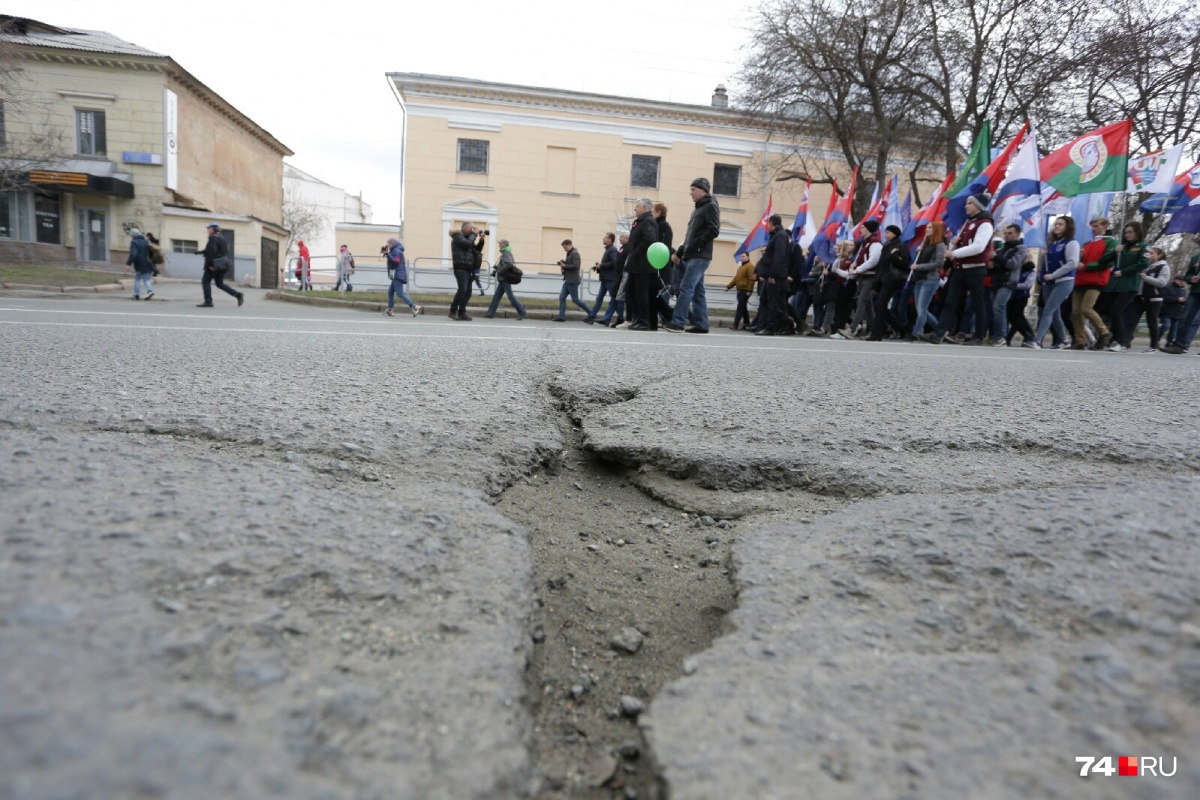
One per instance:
(216,262)
(465,246)
(619,282)
(695,254)
(605,268)
(1006,273)
(773,269)
(643,287)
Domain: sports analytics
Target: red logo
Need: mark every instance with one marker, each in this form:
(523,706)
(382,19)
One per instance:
(1127,767)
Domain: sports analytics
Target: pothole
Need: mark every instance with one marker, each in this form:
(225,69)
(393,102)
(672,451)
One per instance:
(616,571)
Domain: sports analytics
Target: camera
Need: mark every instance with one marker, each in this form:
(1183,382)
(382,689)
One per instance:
(383,251)
(486,233)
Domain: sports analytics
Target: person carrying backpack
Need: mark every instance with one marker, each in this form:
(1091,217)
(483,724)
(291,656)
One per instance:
(398,276)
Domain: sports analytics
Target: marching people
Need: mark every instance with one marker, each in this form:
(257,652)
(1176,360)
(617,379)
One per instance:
(1097,257)
(1006,274)
(1124,284)
(345,268)
(397,271)
(863,272)
(1057,279)
(1189,321)
(743,281)
(466,251)
(891,275)
(216,263)
(1015,311)
(773,271)
(670,275)
(641,291)
(571,266)
(605,269)
(972,252)
(926,271)
(304,267)
(1154,279)
(139,260)
(620,279)
(695,255)
(507,274)
(1174,297)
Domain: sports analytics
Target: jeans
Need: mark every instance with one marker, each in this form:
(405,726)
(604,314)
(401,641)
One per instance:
(606,288)
(504,288)
(864,311)
(1000,298)
(1052,310)
(459,304)
(899,306)
(571,290)
(396,289)
(961,282)
(692,303)
(923,292)
(207,281)
(801,301)
(819,307)
(144,279)
(1185,328)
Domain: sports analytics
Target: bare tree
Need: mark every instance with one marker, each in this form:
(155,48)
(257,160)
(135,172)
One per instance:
(301,216)
(28,141)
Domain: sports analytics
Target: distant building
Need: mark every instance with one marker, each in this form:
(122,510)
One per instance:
(537,166)
(98,134)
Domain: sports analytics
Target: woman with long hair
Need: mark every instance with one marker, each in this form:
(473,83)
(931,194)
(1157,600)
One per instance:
(1057,280)
(925,269)
(1124,283)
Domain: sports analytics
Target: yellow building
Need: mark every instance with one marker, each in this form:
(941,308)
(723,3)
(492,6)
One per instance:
(536,166)
(98,135)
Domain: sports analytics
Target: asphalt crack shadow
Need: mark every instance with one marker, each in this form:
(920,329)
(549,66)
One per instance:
(627,588)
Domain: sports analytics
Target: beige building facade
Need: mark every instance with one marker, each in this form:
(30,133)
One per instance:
(536,166)
(100,135)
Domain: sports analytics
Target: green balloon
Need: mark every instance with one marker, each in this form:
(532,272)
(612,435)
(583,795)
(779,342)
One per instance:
(658,254)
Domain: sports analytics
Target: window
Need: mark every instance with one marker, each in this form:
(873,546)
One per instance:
(727,180)
(89,129)
(185,246)
(645,171)
(48,217)
(16,218)
(473,155)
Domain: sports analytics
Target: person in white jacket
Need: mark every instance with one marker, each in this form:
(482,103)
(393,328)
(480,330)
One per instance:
(345,268)
(1154,278)
(971,252)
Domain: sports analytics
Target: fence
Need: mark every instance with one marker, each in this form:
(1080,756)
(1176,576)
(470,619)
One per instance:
(429,274)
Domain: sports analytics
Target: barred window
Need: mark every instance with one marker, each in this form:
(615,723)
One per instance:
(727,180)
(185,246)
(473,155)
(645,171)
(90,133)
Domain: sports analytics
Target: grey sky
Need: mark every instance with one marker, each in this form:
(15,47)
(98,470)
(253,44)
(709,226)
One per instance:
(313,73)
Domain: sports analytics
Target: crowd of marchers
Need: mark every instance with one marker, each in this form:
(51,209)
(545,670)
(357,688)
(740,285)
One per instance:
(972,286)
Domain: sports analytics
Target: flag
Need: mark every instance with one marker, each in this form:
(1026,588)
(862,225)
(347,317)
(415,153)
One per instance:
(804,229)
(838,214)
(1084,209)
(977,161)
(914,231)
(878,208)
(1018,201)
(1183,191)
(820,241)
(1187,219)
(987,181)
(1095,162)
(1154,171)
(758,236)
(906,210)
(891,212)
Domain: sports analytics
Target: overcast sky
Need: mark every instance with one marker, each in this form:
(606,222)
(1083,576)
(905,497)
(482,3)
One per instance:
(313,73)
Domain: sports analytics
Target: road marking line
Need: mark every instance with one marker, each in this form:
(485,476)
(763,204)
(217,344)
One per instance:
(657,342)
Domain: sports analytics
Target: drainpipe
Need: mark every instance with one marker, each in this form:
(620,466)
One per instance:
(403,148)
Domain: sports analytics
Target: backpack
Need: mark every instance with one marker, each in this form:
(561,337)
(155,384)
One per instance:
(155,252)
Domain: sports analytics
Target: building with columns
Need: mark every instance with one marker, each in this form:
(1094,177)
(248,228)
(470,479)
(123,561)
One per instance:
(536,166)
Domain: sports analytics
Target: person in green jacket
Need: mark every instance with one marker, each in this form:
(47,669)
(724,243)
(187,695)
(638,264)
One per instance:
(1124,283)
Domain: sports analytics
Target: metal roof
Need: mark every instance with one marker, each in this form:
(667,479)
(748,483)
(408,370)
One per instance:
(21,31)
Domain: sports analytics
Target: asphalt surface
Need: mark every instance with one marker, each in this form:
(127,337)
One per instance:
(250,552)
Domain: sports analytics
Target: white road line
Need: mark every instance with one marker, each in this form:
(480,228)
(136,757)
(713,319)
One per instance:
(657,341)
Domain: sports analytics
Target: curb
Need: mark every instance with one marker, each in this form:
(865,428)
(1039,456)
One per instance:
(428,309)
(121,284)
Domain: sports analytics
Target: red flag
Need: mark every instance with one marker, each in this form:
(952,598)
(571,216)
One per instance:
(1095,162)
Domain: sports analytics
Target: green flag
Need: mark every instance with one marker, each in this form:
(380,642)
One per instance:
(977,160)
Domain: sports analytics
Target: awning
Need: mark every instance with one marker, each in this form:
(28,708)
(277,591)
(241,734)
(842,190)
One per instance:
(99,177)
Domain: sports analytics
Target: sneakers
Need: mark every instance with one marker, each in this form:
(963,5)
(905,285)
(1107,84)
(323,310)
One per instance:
(1115,347)
(931,338)
(416,309)
(1150,350)
(150,294)
(241,299)
(769,332)
(1031,345)
(390,313)
(1062,346)
(671,327)
(999,343)
(695,329)
(834,335)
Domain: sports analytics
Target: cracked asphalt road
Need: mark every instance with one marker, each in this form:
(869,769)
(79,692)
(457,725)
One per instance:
(251,552)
